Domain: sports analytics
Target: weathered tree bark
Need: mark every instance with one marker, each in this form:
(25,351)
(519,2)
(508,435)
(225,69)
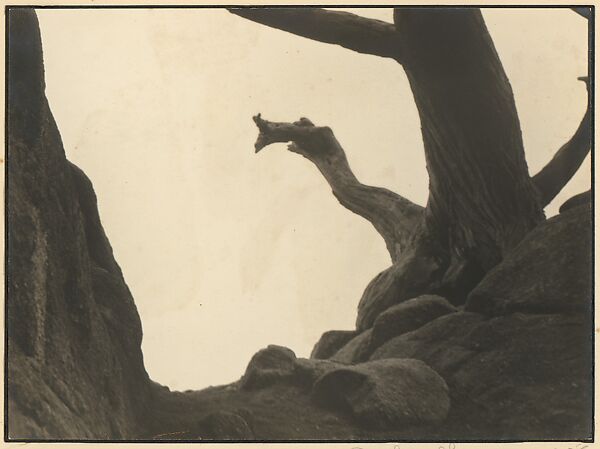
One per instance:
(333,27)
(482,201)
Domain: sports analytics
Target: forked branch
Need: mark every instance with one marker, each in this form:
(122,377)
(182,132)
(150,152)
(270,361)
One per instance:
(556,174)
(278,132)
(393,216)
(369,36)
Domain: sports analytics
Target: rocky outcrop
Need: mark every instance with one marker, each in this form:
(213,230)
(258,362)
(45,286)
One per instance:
(356,350)
(396,320)
(548,272)
(267,366)
(440,333)
(330,343)
(277,364)
(580,199)
(75,366)
(408,316)
(222,426)
(386,393)
(530,375)
(409,277)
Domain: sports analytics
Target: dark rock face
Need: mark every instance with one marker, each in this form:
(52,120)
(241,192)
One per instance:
(356,350)
(268,365)
(526,375)
(386,393)
(223,426)
(331,342)
(580,199)
(408,316)
(549,271)
(277,364)
(75,366)
(396,320)
(409,277)
(440,334)
(307,371)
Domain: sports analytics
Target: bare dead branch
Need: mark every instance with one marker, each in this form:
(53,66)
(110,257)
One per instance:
(551,179)
(274,132)
(360,34)
(393,216)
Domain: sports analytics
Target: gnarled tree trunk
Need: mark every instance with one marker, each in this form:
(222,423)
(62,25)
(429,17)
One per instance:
(482,200)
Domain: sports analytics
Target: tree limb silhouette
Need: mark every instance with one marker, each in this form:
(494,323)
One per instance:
(551,179)
(369,36)
(393,216)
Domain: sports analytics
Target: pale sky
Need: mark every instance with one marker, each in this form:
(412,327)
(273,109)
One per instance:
(226,251)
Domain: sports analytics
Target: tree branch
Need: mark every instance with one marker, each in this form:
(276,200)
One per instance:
(393,216)
(360,34)
(551,179)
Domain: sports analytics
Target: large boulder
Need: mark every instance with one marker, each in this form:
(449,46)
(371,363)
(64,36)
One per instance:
(271,364)
(549,271)
(438,343)
(580,199)
(396,320)
(356,350)
(519,375)
(411,276)
(278,364)
(386,393)
(307,371)
(408,316)
(331,342)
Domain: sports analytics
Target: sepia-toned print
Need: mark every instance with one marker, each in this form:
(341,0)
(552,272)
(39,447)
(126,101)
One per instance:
(295,223)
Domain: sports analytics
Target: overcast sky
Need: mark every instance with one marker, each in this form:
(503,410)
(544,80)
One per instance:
(226,251)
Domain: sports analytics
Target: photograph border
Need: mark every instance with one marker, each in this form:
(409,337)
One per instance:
(8,8)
